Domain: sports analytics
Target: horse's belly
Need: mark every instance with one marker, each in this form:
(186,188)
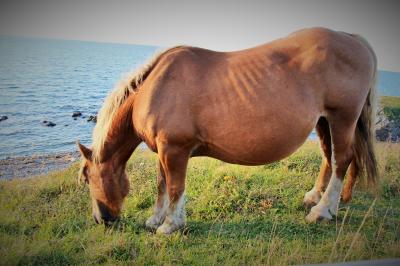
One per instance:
(257,146)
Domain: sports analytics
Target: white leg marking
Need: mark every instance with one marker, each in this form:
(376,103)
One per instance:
(159,213)
(175,219)
(329,202)
(330,199)
(312,197)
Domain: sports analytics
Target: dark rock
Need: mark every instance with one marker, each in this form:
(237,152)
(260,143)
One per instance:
(382,134)
(48,123)
(75,118)
(76,114)
(92,118)
(389,132)
(387,126)
(3,117)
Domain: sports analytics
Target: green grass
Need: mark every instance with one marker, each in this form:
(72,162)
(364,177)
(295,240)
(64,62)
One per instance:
(391,107)
(236,215)
(390,101)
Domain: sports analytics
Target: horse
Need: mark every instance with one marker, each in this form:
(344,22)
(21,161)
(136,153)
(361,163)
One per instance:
(247,107)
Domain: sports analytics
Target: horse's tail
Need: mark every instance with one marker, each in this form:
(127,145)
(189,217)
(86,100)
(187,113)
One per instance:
(363,146)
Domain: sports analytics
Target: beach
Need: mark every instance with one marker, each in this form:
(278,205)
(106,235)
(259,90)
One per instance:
(36,165)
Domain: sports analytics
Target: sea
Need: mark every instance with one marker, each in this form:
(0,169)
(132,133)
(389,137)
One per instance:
(47,80)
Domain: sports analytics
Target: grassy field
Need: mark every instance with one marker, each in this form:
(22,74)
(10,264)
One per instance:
(390,101)
(391,107)
(236,215)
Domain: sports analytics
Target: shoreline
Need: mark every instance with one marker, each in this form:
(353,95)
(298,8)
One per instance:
(35,165)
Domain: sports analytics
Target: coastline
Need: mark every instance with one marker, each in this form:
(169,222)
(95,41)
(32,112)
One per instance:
(29,166)
(36,165)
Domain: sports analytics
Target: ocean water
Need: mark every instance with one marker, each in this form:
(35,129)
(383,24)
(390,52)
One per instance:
(43,79)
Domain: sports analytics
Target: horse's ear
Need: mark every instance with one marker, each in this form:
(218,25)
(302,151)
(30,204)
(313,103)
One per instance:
(86,152)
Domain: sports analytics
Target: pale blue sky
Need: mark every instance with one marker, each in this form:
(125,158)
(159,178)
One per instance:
(220,25)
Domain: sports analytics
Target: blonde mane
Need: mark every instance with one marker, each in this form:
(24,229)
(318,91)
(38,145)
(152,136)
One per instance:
(125,87)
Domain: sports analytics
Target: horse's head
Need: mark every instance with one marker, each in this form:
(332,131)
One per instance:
(108,185)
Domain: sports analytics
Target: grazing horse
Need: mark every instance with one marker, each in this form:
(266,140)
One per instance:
(248,107)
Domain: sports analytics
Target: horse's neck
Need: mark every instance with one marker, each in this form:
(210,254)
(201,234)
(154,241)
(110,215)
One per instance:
(121,139)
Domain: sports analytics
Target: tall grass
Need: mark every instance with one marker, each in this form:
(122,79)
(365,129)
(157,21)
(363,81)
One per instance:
(236,215)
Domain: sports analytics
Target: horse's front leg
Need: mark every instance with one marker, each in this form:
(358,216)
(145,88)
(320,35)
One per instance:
(174,161)
(162,203)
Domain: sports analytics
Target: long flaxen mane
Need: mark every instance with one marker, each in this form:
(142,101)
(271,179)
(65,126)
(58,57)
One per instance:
(123,89)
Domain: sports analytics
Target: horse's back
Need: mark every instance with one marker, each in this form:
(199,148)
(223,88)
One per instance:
(255,105)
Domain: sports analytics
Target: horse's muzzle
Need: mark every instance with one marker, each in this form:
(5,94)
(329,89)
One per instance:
(104,215)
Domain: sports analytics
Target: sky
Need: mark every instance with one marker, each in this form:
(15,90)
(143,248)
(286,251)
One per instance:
(219,25)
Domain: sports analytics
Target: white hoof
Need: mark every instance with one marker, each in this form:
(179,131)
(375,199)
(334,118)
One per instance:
(168,228)
(153,222)
(334,207)
(311,198)
(318,213)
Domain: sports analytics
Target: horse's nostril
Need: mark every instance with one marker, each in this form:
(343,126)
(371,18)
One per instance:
(105,213)
(108,218)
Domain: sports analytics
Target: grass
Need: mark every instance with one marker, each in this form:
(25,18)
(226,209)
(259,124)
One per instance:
(236,215)
(391,107)
(390,101)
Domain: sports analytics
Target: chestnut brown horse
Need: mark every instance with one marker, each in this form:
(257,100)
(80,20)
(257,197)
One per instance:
(248,107)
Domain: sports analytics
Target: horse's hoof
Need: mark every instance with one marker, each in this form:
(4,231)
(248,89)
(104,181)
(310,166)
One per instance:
(318,214)
(311,198)
(167,228)
(152,224)
(345,198)
(309,204)
(334,209)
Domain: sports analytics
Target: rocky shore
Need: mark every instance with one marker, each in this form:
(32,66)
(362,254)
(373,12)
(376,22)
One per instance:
(387,130)
(20,167)
(75,115)
(387,126)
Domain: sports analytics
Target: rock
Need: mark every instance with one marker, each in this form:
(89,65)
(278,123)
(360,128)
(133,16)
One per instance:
(76,114)
(92,118)
(389,132)
(3,117)
(382,134)
(48,123)
(387,128)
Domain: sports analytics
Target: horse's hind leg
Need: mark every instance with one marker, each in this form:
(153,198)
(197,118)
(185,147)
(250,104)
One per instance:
(174,160)
(313,196)
(162,203)
(351,181)
(342,132)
